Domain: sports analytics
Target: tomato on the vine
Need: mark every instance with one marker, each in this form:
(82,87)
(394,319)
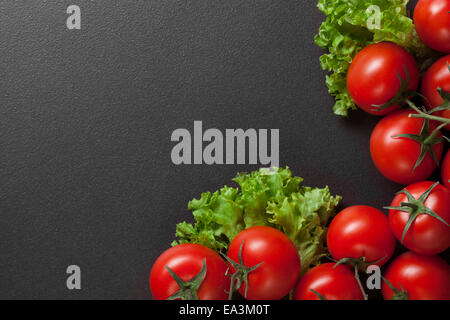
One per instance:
(417,277)
(419,216)
(380,76)
(328,281)
(436,85)
(264,263)
(361,232)
(432,23)
(405,149)
(190,272)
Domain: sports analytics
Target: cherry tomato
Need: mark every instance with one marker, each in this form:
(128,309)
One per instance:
(423,277)
(372,78)
(361,232)
(186,261)
(426,234)
(331,282)
(432,22)
(445,171)
(437,76)
(276,260)
(395,157)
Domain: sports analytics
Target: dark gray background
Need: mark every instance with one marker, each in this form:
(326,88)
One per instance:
(86,118)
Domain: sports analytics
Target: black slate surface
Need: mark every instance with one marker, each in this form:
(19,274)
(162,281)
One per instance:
(86,118)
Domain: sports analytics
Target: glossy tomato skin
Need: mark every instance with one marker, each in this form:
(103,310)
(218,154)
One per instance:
(372,78)
(445,171)
(426,235)
(186,261)
(438,75)
(338,283)
(361,231)
(281,268)
(423,277)
(432,22)
(395,157)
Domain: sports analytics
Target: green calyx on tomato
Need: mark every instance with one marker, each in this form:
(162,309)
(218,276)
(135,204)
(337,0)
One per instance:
(426,140)
(241,274)
(188,289)
(429,116)
(446,96)
(444,106)
(402,95)
(416,207)
(401,294)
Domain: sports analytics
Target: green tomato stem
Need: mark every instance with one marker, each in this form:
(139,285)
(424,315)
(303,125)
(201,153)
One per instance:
(430,117)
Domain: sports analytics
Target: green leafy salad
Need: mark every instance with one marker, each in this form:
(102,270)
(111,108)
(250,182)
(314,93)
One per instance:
(264,198)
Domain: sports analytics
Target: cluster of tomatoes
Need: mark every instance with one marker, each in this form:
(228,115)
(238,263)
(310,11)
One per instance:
(262,264)
(406,146)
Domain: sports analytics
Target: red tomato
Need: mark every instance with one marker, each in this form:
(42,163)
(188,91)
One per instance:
(432,22)
(280,267)
(338,283)
(426,234)
(395,157)
(438,75)
(445,171)
(372,77)
(423,277)
(186,261)
(361,232)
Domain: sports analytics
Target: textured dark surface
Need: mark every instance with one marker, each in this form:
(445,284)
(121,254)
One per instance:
(86,118)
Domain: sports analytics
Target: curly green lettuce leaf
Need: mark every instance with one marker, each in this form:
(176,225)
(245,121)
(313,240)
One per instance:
(264,198)
(352,25)
(303,217)
(260,187)
(218,217)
